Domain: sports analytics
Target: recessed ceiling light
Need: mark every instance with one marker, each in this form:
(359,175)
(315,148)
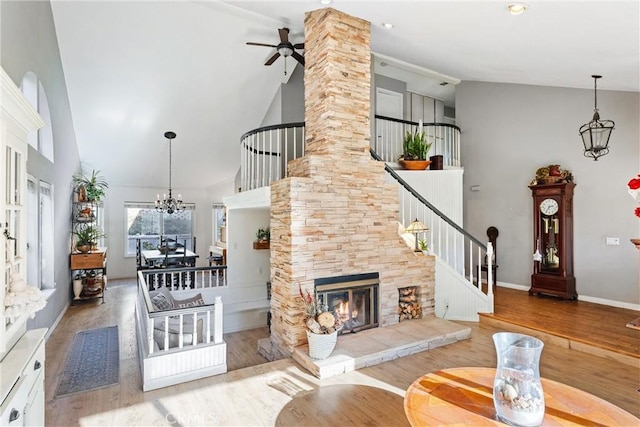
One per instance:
(325,2)
(517,8)
(387,25)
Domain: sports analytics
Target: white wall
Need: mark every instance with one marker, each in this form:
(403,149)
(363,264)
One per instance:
(508,131)
(247,266)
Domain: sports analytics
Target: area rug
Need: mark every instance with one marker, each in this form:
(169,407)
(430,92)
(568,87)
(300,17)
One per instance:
(93,362)
(634,324)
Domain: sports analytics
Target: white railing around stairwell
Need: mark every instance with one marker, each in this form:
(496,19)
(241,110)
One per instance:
(181,342)
(266,153)
(452,245)
(389,135)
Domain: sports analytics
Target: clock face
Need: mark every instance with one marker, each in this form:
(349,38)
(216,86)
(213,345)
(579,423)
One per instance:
(549,207)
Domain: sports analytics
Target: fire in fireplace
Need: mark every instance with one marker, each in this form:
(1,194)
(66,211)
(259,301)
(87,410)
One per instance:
(352,298)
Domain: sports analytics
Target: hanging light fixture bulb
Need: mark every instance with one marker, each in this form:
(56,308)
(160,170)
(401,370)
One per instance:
(169,204)
(595,134)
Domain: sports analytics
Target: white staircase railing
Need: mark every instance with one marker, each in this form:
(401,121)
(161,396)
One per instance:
(463,253)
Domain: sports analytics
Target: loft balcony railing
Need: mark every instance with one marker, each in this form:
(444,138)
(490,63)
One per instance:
(266,151)
(444,139)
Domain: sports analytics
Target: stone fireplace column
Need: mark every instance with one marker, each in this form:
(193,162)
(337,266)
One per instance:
(335,214)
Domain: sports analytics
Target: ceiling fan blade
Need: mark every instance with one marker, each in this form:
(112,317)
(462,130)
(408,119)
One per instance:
(284,35)
(272,59)
(260,44)
(298,58)
(298,46)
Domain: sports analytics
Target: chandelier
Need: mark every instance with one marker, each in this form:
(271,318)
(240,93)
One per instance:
(596,133)
(169,204)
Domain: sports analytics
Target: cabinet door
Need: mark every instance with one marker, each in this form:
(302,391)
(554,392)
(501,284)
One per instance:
(34,411)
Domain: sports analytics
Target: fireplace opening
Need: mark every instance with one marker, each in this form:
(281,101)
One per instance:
(353,299)
(408,305)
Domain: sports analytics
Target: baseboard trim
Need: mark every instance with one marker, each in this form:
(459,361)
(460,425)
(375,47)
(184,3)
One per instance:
(55,322)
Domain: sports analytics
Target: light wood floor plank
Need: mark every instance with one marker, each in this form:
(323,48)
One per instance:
(281,393)
(593,324)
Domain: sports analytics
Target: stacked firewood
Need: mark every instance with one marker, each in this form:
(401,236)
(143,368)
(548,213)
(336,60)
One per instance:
(408,306)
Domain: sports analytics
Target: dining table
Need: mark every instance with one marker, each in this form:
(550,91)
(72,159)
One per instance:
(155,258)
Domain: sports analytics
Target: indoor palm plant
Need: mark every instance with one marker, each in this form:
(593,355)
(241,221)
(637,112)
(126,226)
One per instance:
(90,188)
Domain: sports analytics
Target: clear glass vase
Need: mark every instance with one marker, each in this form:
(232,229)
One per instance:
(517,390)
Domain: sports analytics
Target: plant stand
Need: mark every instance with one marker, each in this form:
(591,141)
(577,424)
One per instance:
(321,345)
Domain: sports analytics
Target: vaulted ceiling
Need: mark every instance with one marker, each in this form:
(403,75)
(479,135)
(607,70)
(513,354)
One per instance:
(137,69)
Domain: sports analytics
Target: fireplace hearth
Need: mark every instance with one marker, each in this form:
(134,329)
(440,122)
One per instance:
(352,298)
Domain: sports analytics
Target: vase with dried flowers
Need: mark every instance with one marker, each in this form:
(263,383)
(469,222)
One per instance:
(321,325)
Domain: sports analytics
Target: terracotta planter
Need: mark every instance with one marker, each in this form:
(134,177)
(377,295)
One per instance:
(415,165)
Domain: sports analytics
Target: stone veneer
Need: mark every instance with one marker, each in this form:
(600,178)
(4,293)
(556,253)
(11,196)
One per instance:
(335,215)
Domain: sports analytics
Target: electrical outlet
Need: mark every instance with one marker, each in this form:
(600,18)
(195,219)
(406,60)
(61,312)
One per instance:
(613,241)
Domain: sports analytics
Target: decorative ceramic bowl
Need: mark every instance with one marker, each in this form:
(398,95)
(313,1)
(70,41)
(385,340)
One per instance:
(415,164)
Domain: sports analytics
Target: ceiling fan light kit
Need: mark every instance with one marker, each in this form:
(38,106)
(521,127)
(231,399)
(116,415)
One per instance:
(285,48)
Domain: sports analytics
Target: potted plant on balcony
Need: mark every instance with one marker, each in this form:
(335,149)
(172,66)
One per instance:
(322,326)
(86,238)
(414,150)
(90,188)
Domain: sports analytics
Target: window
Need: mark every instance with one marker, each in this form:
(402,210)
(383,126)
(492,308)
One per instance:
(148,225)
(42,139)
(219,216)
(40,251)
(46,236)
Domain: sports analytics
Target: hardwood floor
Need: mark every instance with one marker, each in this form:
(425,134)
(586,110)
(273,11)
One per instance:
(281,393)
(595,328)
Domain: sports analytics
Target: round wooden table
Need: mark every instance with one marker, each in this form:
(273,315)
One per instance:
(465,396)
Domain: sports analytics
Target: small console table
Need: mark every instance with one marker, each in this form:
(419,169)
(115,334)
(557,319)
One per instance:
(465,396)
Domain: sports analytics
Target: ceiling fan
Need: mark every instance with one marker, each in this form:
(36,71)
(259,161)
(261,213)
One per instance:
(284,48)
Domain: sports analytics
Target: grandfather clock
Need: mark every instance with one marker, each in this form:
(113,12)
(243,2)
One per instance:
(553,240)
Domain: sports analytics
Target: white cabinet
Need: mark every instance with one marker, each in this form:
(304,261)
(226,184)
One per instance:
(22,382)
